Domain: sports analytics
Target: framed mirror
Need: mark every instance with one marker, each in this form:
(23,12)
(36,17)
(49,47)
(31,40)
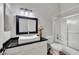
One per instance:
(25,25)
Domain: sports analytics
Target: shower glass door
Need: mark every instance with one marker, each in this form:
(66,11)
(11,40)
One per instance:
(70,31)
(73,31)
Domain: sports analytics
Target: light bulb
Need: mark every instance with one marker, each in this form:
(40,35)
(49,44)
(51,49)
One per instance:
(31,14)
(22,12)
(26,13)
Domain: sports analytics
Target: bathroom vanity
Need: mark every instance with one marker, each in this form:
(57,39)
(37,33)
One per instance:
(12,47)
(25,40)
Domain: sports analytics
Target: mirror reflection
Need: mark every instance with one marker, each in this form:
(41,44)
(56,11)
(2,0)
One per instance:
(31,25)
(23,25)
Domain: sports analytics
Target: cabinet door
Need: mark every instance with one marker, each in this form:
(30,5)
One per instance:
(39,48)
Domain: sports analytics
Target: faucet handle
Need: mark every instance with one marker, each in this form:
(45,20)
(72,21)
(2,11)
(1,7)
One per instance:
(57,36)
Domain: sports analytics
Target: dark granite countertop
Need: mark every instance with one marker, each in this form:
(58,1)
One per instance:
(13,42)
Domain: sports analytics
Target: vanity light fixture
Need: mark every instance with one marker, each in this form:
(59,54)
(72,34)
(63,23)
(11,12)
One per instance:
(26,12)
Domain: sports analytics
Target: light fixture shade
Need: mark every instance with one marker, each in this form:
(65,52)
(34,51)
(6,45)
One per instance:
(22,11)
(26,13)
(31,14)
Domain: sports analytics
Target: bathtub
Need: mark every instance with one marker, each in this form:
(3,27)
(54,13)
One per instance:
(56,47)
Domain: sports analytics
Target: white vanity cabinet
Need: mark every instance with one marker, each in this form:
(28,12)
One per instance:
(38,48)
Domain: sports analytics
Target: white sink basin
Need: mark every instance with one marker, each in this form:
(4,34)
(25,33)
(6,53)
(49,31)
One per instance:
(25,39)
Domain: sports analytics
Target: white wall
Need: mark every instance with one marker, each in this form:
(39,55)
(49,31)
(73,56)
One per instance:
(3,35)
(1,25)
(56,25)
(1,18)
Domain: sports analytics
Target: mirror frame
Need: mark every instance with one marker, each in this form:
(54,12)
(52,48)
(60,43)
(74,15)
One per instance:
(24,17)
